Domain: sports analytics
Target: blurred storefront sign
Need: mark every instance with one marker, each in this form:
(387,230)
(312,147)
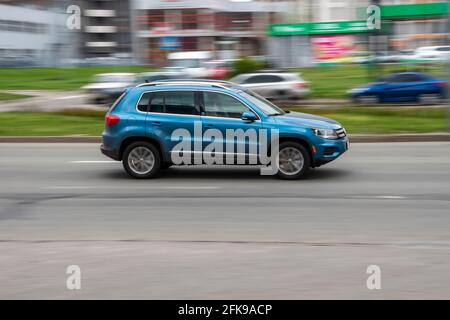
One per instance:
(317,28)
(169,43)
(417,10)
(332,47)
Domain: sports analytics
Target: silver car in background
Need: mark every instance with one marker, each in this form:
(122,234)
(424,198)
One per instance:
(274,86)
(107,87)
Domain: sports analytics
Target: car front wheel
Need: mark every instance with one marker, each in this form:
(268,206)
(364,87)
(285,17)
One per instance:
(293,161)
(141,160)
(368,99)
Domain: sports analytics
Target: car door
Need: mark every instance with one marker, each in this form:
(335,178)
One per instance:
(402,87)
(171,118)
(222,114)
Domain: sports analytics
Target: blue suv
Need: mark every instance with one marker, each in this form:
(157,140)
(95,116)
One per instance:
(140,129)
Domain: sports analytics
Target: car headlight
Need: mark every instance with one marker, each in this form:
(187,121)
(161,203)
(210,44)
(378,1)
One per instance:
(357,90)
(325,133)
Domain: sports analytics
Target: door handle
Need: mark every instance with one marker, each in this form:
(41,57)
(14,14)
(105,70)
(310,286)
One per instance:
(209,125)
(156,123)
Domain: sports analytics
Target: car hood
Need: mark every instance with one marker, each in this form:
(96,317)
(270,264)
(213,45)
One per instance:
(306,119)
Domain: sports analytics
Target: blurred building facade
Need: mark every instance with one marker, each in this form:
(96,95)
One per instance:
(227,28)
(106,28)
(31,36)
(416,23)
(326,30)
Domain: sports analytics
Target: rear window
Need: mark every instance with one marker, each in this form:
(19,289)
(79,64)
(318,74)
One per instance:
(157,104)
(143,102)
(174,102)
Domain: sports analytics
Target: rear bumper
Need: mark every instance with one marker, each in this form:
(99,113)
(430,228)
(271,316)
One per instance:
(112,153)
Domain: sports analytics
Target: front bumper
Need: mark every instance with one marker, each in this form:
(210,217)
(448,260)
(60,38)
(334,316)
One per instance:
(327,150)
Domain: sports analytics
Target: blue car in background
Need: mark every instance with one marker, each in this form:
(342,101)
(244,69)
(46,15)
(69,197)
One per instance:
(141,125)
(402,87)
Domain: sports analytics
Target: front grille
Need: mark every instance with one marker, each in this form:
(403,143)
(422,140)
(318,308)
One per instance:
(341,133)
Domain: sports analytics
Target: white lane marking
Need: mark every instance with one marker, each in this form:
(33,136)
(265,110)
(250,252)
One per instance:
(390,197)
(128,187)
(93,161)
(379,197)
(71,97)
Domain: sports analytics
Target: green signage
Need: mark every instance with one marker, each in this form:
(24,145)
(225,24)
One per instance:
(388,12)
(403,11)
(335,27)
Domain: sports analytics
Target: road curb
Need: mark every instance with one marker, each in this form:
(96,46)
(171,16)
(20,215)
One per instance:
(354,138)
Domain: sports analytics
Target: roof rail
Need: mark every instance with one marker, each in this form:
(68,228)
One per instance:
(211,83)
(195,80)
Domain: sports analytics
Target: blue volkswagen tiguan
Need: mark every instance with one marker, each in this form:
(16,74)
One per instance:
(147,124)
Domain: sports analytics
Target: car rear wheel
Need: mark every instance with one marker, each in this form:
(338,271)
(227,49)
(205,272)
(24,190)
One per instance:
(141,160)
(429,98)
(293,161)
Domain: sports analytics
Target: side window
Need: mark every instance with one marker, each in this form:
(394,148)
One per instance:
(397,78)
(254,79)
(157,104)
(263,79)
(222,105)
(407,78)
(416,77)
(143,103)
(271,78)
(180,102)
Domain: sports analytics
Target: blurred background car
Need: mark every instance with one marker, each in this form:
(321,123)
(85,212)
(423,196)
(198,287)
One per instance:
(402,87)
(436,53)
(107,87)
(274,86)
(189,63)
(217,70)
(147,77)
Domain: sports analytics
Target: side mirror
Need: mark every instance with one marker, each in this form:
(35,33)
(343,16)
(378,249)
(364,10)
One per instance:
(248,116)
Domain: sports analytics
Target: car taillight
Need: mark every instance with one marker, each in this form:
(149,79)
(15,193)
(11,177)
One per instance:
(300,84)
(111,120)
(443,84)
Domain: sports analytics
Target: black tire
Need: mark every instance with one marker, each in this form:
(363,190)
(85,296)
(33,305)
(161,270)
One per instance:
(368,99)
(306,161)
(155,169)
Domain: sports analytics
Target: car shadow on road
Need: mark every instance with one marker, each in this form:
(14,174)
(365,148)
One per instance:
(228,173)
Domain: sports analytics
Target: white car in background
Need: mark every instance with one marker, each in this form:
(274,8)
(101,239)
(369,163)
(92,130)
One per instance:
(274,86)
(107,87)
(438,53)
(190,64)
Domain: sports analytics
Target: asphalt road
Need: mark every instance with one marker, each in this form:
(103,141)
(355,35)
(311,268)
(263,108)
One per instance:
(225,232)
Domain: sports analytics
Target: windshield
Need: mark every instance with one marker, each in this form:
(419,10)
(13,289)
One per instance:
(265,105)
